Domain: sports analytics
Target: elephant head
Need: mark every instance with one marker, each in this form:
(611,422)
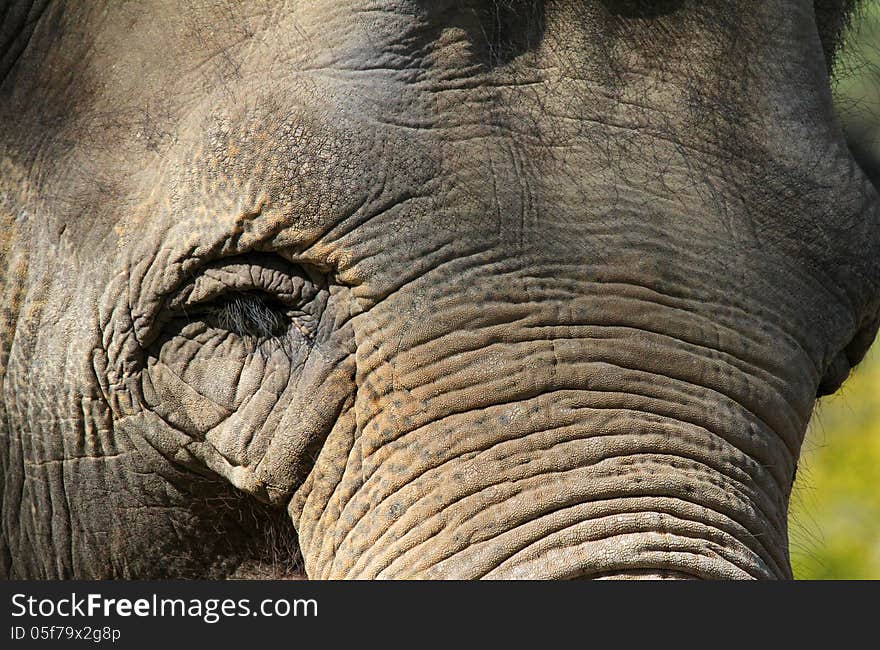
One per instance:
(473,289)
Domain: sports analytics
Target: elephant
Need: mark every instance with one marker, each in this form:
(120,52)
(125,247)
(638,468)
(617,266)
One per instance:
(411,289)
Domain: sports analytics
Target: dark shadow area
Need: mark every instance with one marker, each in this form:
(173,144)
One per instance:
(17,23)
(236,536)
(832,19)
(642,8)
(500,30)
(865,150)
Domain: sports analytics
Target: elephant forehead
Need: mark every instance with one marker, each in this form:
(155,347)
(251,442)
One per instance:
(155,57)
(354,93)
(144,62)
(373,134)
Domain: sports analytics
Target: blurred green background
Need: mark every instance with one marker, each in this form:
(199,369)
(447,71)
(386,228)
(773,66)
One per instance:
(834,522)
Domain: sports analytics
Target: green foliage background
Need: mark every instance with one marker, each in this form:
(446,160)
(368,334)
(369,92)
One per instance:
(834,524)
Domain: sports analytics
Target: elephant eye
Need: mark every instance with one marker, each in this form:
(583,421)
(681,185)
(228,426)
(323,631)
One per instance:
(256,315)
(253,299)
(229,336)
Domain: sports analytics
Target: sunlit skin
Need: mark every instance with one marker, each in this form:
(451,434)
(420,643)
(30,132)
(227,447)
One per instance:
(405,289)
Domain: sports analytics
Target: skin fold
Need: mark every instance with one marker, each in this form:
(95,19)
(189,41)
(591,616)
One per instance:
(410,289)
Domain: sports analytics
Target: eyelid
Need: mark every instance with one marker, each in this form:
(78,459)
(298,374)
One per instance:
(288,287)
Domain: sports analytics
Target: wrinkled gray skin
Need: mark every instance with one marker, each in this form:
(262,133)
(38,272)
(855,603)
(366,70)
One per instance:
(462,289)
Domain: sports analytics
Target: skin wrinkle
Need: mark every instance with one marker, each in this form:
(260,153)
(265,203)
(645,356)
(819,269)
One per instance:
(625,507)
(455,414)
(483,346)
(578,437)
(666,560)
(257,469)
(335,491)
(671,342)
(494,558)
(389,496)
(599,361)
(537,449)
(471,269)
(777,335)
(664,544)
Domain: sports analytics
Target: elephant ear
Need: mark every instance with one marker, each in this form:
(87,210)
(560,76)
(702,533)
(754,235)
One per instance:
(18,19)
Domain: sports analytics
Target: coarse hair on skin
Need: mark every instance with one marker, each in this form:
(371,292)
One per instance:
(261,322)
(833,18)
(250,315)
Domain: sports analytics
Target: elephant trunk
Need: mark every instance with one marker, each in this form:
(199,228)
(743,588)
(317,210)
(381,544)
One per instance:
(504,436)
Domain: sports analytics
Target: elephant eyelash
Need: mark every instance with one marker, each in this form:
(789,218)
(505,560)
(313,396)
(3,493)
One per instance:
(263,322)
(260,302)
(251,315)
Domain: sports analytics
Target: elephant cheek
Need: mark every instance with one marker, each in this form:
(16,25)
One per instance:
(556,458)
